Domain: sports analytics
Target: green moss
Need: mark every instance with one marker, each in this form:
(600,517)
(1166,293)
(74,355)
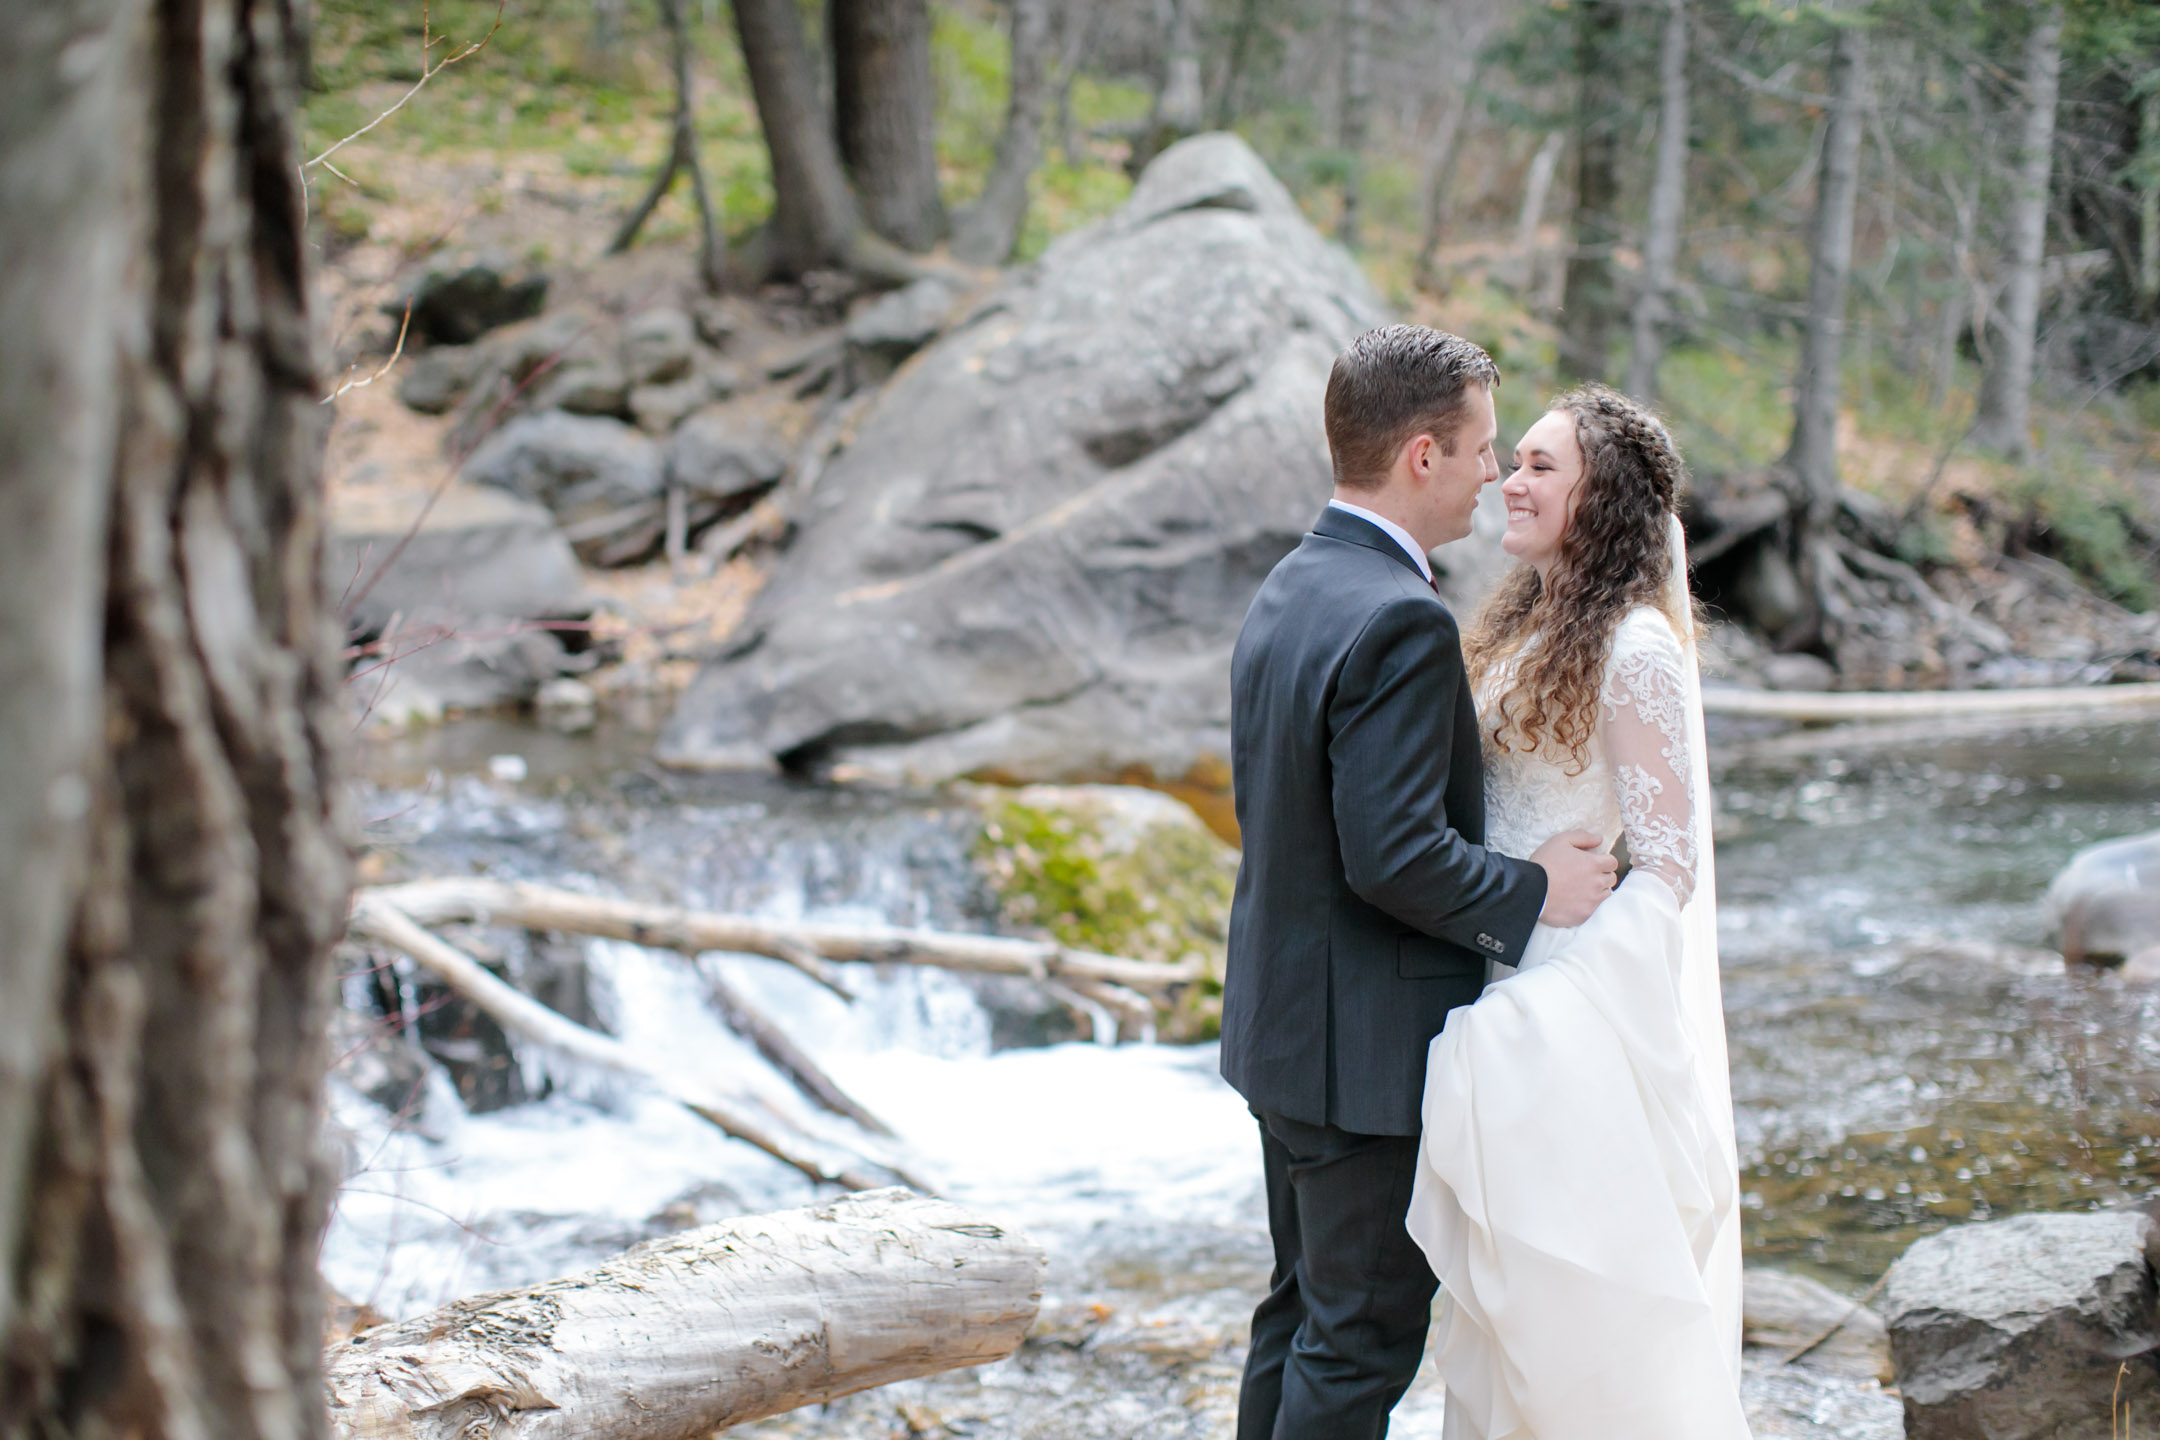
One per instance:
(1062,864)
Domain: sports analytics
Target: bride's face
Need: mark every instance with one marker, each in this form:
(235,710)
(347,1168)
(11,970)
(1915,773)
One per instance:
(1540,494)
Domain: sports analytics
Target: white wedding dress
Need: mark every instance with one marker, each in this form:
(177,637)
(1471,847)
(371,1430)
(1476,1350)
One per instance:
(1577,1188)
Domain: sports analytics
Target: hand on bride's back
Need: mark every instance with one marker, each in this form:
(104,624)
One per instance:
(1578,876)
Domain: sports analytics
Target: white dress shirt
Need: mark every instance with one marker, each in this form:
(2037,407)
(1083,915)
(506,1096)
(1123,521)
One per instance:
(1393,531)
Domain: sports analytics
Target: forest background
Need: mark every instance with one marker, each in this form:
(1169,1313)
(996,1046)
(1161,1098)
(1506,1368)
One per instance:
(1498,170)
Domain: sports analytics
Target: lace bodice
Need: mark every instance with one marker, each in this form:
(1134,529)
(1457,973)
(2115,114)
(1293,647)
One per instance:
(1636,775)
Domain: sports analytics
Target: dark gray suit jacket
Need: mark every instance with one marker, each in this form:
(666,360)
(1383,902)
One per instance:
(1366,906)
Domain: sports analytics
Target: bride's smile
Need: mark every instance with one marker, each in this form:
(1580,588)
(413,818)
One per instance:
(1540,492)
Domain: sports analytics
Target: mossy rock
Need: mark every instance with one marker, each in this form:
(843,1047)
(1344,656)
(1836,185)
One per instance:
(1118,870)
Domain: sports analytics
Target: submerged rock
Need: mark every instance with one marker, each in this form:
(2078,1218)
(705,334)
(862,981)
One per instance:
(2036,1328)
(1784,1312)
(2106,902)
(1034,556)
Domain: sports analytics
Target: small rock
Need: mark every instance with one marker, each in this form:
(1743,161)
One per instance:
(1784,1312)
(457,307)
(437,378)
(1798,672)
(658,409)
(508,768)
(719,455)
(886,332)
(601,479)
(467,552)
(567,705)
(659,346)
(2106,902)
(2020,1329)
(586,385)
(716,322)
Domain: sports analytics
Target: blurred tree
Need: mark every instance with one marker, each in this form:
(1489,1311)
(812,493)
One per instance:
(172,873)
(815,223)
(2004,419)
(1668,195)
(986,232)
(886,113)
(1811,459)
(1590,298)
(1356,96)
(1177,111)
(682,158)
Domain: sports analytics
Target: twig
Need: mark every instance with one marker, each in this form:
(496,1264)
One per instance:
(403,326)
(428,41)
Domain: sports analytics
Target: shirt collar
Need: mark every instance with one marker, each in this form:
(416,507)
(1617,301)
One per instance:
(1393,531)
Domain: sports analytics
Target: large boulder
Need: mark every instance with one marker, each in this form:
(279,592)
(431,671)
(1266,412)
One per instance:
(1786,1313)
(2036,1328)
(2106,902)
(1034,557)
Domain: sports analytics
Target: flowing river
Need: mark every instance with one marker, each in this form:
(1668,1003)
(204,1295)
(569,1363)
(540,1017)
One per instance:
(1906,1054)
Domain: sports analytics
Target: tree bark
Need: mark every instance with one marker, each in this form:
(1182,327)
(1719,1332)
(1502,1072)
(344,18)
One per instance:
(1356,107)
(1668,199)
(703,1331)
(682,156)
(1812,455)
(814,216)
(1590,301)
(1445,149)
(1537,187)
(158,1248)
(987,231)
(1241,38)
(885,110)
(2148,190)
(2004,421)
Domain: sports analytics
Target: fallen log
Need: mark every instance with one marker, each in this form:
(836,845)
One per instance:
(701,1331)
(1825,707)
(692,932)
(519,1014)
(781,1051)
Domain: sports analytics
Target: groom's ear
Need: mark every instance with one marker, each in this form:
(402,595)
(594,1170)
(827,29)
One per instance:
(1422,451)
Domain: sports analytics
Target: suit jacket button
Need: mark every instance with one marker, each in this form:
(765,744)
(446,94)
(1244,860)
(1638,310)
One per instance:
(1489,943)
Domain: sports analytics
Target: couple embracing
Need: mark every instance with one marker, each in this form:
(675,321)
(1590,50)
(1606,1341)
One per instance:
(1481,1061)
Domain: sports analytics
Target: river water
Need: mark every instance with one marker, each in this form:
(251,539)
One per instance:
(1906,1053)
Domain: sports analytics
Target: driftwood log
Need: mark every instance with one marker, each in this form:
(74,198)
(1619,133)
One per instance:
(701,1331)
(1823,707)
(521,1015)
(535,907)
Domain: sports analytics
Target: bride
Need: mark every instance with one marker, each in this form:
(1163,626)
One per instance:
(1577,1183)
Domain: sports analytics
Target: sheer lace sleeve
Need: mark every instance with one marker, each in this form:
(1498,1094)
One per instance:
(1645,731)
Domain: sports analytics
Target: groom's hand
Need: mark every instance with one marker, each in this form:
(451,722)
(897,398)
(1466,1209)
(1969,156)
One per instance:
(1578,876)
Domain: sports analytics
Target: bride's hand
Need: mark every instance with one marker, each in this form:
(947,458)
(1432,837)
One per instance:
(1578,876)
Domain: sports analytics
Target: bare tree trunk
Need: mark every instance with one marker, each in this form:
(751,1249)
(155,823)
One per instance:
(703,1331)
(2148,188)
(1965,202)
(1241,38)
(1356,105)
(1444,149)
(1537,187)
(1812,455)
(987,231)
(603,45)
(1177,111)
(1078,35)
(814,217)
(886,116)
(2004,422)
(682,156)
(1668,197)
(1590,301)
(158,1249)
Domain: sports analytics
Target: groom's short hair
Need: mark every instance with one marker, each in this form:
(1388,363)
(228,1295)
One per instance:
(1395,383)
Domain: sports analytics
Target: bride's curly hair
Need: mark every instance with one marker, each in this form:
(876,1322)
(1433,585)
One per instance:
(1614,556)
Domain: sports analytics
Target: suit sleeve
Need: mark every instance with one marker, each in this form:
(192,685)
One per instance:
(1389,747)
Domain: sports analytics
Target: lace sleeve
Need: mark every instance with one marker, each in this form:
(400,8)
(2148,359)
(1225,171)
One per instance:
(1645,725)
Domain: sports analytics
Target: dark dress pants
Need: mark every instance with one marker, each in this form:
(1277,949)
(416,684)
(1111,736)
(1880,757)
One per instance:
(1340,1335)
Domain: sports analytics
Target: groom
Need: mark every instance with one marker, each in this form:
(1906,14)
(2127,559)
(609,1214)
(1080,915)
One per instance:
(1366,906)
